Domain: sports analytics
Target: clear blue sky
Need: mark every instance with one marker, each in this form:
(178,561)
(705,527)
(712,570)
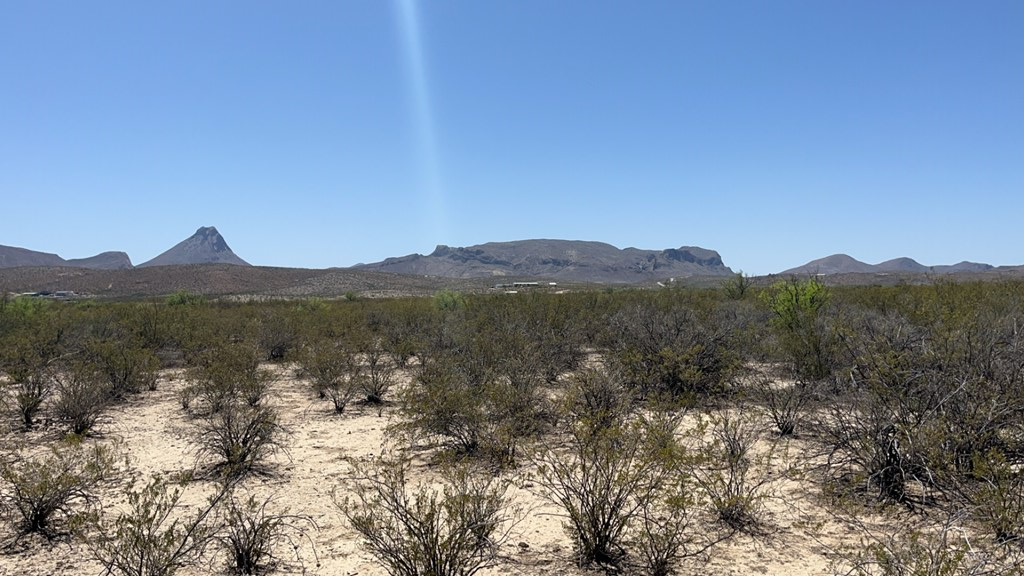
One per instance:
(318,134)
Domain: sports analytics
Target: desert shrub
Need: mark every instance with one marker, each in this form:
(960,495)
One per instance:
(997,497)
(926,403)
(603,479)
(239,438)
(151,538)
(332,367)
(378,371)
(276,331)
(126,368)
(734,494)
(737,286)
(669,528)
(885,431)
(877,447)
(472,408)
(595,398)
(416,530)
(802,327)
(27,394)
(478,388)
(184,298)
(226,373)
(942,551)
(671,347)
(83,395)
(252,535)
(400,325)
(445,403)
(784,402)
(42,491)
(27,354)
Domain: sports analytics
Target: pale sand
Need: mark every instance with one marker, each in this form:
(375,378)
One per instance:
(158,437)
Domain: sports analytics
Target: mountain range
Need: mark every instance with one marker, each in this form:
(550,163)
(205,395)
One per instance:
(206,246)
(844,264)
(14,257)
(570,260)
(502,262)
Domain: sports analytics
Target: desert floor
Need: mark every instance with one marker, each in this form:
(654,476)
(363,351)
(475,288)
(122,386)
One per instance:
(801,536)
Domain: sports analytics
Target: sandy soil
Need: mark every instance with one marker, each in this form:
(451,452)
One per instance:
(802,537)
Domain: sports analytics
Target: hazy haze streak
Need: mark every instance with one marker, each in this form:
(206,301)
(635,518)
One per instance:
(423,119)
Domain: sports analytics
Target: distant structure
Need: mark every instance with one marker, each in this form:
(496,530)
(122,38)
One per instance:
(505,285)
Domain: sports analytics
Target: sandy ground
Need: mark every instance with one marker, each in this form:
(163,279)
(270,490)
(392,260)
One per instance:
(802,537)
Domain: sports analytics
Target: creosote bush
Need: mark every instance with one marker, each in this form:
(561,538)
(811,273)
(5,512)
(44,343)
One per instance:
(332,367)
(239,438)
(378,372)
(152,537)
(475,409)
(670,346)
(415,530)
(125,368)
(82,397)
(735,494)
(605,478)
(42,492)
(27,356)
(944,551)
(253,536)
(226,374)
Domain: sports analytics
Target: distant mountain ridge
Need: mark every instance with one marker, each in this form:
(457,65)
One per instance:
(14,257)
(845,264)
(206,246)
(570,260)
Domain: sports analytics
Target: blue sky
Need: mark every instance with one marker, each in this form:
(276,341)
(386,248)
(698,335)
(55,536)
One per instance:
(316,134)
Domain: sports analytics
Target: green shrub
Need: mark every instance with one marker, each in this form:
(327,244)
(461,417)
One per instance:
(27,355)
(997,497)
(596,399)
(378,372)
(737,286)
(472,409)
(942,551)
(784,402)
(799,309)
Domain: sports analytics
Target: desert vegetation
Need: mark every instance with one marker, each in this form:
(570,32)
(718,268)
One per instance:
(793,427)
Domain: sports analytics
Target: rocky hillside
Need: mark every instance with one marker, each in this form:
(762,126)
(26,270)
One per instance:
(206,246)
(13,257)
(843,264)
(568,260)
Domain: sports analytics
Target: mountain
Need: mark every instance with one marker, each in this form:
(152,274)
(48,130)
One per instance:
(569,260)
(103,261)
(843,264)
(834,264)
(14,257)
(206,246)
(963,267)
